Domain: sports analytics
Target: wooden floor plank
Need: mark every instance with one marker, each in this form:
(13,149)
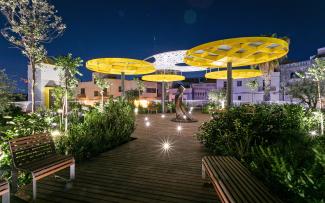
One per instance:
(139,171)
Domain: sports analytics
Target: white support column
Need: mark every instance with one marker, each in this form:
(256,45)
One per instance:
(163,96)
(229,84)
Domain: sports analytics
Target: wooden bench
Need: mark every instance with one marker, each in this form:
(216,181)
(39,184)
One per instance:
(5,191)
(233,182)
(36,154)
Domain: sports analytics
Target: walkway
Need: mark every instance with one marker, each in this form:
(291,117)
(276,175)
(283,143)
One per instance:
(140,171)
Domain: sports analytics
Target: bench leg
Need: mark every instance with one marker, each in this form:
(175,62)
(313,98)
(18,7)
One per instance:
(6,197)
(14,175)
(203,172)
(72,171)
(34,189)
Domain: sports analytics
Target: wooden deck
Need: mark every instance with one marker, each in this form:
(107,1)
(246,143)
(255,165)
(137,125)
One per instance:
(139,171)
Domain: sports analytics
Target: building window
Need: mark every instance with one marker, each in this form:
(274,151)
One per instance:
(151,90)
(105,92)
(82,91)
(239,83)
(239,98)
(225,84)
(119,89)
(96,93)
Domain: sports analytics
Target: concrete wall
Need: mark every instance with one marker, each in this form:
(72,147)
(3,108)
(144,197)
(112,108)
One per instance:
(90,87)
(45,74)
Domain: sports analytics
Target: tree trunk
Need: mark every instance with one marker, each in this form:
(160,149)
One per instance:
(267,87)
(102,102)
(32,63)
(320,109)
(66,110)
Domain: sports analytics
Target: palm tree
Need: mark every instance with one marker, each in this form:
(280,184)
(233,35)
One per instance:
(268,68)
(68,67)
(253,86)
(140,86)
(316,73)
(102,84)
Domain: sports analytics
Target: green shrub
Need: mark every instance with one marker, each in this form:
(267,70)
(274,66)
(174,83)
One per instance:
(99,131)
(19,126)
(273,141)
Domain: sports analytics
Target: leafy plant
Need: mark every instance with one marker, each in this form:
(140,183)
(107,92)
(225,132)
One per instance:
(68,67)
(98,131)
(274,142)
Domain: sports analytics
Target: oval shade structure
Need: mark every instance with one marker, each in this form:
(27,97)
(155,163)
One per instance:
(243,51)
(172,60)
(120,65)
(163,78)
(236,74)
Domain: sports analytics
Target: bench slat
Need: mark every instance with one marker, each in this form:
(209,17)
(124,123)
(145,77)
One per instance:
(237,185)
(263,194)
(234,183)
(226,179)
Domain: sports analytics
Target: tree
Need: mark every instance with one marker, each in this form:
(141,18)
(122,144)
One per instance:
(6,88)
(253,86)
(316,73)
(31,24)
(306,91)
(267,69)
(68,67)
(217,96)
(102,85)
(140,86)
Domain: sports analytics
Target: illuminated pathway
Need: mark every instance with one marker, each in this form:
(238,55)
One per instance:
(148,169)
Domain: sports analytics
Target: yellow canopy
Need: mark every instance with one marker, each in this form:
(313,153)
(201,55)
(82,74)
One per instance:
(163,78)
(120,65)
(242,51)
(236,74)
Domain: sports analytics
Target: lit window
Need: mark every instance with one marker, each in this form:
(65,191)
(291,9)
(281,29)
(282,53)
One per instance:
(225,84)
(83,91)
(151,90)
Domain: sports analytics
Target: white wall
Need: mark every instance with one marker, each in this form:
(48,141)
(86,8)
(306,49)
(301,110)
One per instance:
(44,73)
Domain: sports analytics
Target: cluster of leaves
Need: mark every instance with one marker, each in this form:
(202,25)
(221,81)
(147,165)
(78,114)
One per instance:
(97,131)
(6,88)
(274,142)
(19,125)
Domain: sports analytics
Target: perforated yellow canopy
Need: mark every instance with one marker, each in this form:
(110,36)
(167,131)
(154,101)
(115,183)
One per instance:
(242,51)
(163,78)
(120,65)
(236,74)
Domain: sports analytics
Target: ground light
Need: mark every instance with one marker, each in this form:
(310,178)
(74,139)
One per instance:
(147,124)
(166,145)
(146,118)
(55,133)
(163,116)
(313,133)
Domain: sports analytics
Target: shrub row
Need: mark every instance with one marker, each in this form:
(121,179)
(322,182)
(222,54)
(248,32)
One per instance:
(274,142)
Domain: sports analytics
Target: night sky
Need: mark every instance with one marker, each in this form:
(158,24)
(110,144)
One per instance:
(139,28)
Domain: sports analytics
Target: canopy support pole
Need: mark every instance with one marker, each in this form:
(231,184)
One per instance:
(229,84)
(163,91)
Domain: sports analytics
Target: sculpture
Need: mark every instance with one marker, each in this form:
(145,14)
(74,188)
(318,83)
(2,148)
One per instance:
(182,114)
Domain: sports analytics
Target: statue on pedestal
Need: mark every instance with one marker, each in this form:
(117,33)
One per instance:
(182,114)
